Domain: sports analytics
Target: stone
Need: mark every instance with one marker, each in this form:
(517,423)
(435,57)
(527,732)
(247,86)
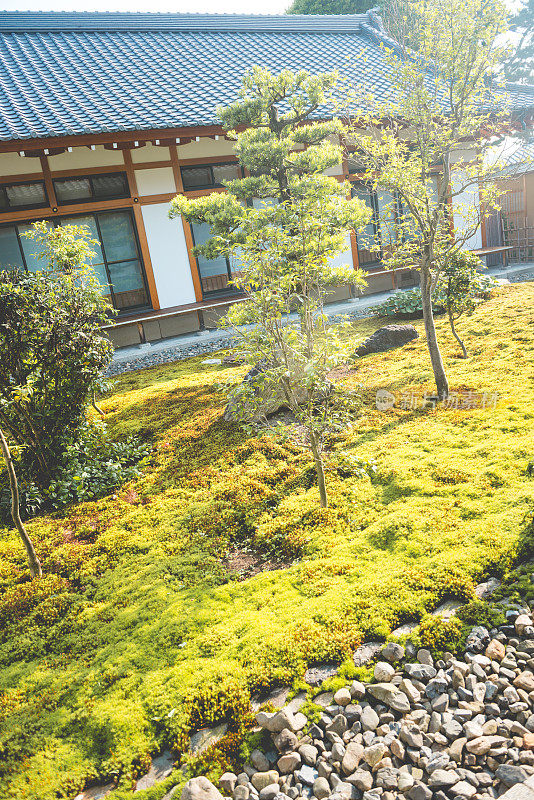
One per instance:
(523,621)
(316,675)
(528,741)
(262,779)
(307,774)
(486,589)
(160,768)
(289,762)
(351,759)
(443,777)
(525,681)
(269,792)
(241,792)
(405,782)
(205,737)
(451,729)
(424,656)
(478,639)
(361,779)
(374,753)
(387,338)
(420,672)
(393,652)
(420,792)
(357,690)
(338,725)
(456,749)
(321,788)
(324,699)
(384,692)
(365,653)
(259,760)
(285,741)
(413,694)
(264,396)
(412,737)
(383,672)
(483,744)
(309,754)
(227,782)
(399,702)
(495,650)
(473,729)
(276,721)
(509,774)
(200,789)
(369,719)
(447,609)
(463,789)
(343,697)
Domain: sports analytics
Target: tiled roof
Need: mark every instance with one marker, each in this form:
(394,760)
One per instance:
(69,73)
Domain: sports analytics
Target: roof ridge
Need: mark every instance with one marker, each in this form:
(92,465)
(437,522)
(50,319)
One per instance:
(32,21)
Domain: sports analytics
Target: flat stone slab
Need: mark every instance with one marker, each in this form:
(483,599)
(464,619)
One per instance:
(277,698)
(96,792)
(160,769)
(324,699)
(206,736)
(404,630)
(366,652)
(316,675)
(297,702)
(487,588)
(447,609)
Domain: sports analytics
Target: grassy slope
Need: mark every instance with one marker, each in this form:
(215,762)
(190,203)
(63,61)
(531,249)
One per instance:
(137,616)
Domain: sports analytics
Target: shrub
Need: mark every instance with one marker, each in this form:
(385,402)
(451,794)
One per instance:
(408,304)
(52,352)
(439,635)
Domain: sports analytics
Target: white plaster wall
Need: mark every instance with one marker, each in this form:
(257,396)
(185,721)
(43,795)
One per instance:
(168,253)
(150,152)
(466,208)
(85,157)
(344,258)
(155,181)
(13,164)
(206,147)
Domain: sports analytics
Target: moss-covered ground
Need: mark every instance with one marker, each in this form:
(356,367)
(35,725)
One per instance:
(140,630)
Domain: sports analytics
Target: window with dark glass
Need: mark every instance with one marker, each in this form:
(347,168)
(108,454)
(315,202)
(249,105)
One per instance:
(15,196)
(117,260)
(216,274)
(206,176)
(109,186)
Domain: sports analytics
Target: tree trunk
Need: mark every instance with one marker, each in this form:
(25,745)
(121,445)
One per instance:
(453,329)
(33,561)
(442,385)
(319,468)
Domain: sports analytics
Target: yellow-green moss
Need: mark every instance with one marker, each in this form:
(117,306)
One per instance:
(140,631)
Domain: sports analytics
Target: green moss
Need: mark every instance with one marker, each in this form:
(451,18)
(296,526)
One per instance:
(144,628)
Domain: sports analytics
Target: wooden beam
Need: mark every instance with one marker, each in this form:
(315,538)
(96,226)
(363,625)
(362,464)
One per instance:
(141,232)
(49,183)
(109,137)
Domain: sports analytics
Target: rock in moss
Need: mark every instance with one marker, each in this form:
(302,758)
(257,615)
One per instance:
(387,338)
(200,789)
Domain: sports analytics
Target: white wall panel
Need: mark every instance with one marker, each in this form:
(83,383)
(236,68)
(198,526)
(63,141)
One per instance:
(13,164)
(466,208)
(82,157)
(344,258)
(168,252)
(150,152)
(155,181)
